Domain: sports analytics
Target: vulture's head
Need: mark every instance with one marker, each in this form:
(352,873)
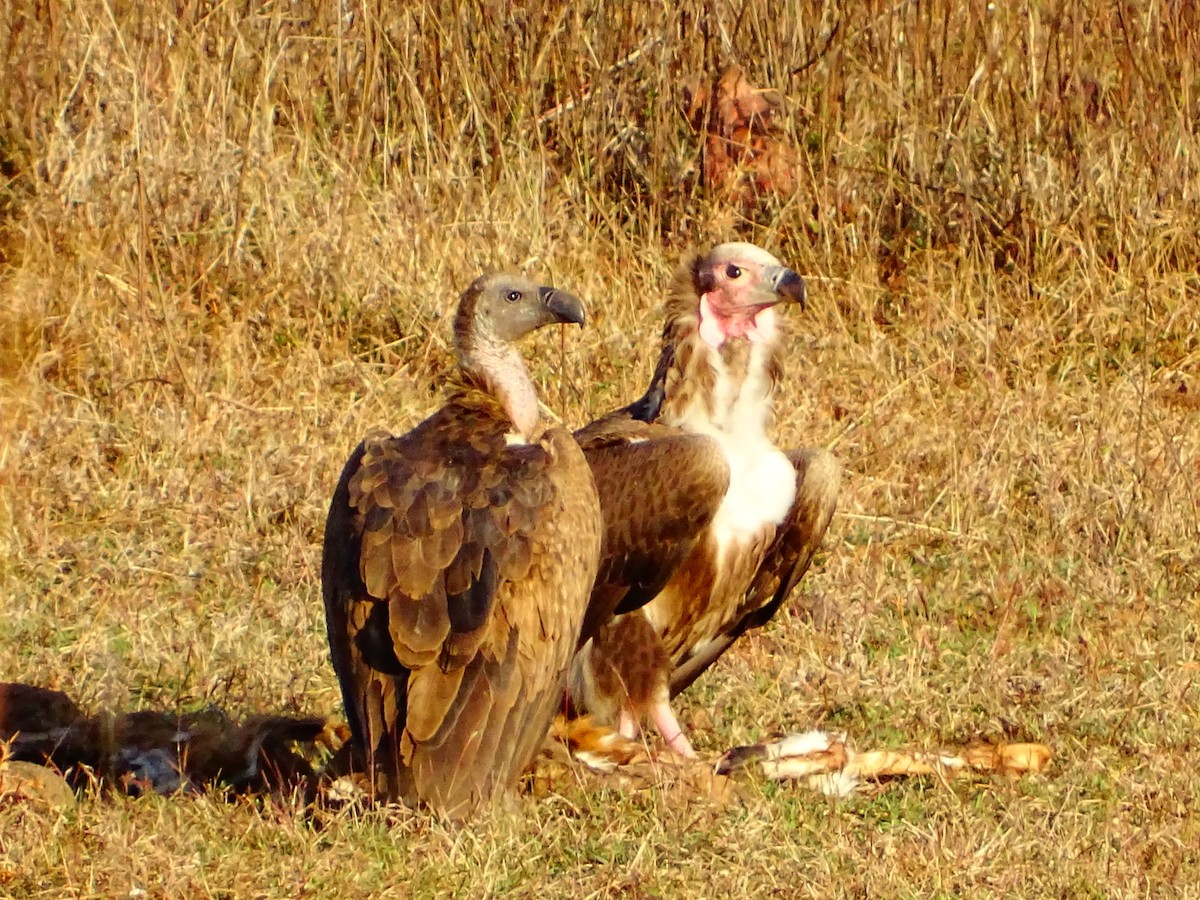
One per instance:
(502,308)
(737,286)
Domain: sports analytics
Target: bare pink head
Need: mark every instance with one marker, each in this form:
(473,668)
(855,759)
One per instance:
(738,284)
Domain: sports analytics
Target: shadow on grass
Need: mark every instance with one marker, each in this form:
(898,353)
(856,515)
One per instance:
(163,752)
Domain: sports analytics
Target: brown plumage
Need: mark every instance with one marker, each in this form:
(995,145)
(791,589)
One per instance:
(714,524)
(457,567)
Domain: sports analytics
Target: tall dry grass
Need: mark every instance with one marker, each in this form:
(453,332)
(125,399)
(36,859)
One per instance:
(230,236)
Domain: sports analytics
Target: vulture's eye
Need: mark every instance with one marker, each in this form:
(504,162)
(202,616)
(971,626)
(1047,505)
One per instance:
(733,271)
(512,296)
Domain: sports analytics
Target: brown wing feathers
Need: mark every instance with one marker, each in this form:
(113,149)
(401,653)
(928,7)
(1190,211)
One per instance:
(659,494)
(458,560)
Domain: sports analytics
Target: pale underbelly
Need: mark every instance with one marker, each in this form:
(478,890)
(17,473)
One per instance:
(708,593)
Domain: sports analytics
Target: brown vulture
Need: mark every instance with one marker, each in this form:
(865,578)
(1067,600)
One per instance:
(458,562)
(708,525)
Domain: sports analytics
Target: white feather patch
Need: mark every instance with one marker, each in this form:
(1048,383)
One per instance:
(762,487)
(762,481)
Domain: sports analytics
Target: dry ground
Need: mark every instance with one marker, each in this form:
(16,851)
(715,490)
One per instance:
(230,235)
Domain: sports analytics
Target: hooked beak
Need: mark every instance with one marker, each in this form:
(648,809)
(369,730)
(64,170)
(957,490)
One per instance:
(566,308)
(786,284)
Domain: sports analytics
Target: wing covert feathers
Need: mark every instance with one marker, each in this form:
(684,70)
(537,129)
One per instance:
(457,570)
(661,488)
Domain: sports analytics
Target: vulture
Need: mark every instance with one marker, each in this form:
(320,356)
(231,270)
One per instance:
(458,562)
(708,525)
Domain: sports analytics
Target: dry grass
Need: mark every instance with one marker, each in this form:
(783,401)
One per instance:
(230,236)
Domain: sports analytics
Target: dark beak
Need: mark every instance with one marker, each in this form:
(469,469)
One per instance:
(786,284)
(566,308)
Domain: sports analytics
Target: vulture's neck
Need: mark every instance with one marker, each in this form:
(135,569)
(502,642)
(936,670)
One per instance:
(711,389)
(497,368)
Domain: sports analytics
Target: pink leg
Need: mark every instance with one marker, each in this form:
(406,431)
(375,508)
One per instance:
(668,726)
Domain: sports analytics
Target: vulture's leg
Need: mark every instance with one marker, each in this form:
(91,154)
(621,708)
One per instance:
(627,680)
(818,481)
(670,729)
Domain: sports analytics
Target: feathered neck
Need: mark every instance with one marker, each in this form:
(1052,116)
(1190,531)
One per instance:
(694,380)
(495,367)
